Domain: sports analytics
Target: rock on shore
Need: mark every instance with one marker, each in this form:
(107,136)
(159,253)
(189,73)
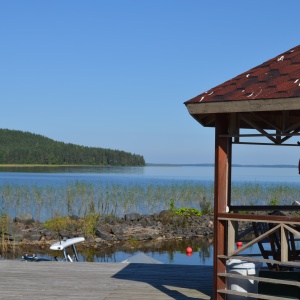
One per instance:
(24,230)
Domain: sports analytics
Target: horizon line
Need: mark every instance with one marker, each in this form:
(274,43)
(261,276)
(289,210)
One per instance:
(233,165)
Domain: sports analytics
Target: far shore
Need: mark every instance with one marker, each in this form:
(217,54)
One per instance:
(53,166)
(147,165)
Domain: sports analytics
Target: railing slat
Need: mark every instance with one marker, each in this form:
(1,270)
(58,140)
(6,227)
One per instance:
(257,296)
(262,279)
(257,218)
(272,261)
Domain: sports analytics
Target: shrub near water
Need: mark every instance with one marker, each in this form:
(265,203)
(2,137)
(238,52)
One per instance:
(90,221)
(184,211)
(4,223)
(60,223)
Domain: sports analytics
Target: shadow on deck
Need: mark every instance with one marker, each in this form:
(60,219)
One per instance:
(180,282)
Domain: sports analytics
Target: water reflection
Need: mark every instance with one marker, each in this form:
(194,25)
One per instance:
(168,252)
(74,169)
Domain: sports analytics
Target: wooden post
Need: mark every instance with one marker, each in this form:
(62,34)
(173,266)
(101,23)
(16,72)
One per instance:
(284,244)
(221,199)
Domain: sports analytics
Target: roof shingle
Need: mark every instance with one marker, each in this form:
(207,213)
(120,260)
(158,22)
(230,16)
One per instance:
(276,78)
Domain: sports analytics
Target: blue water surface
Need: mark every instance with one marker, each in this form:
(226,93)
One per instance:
(145,176)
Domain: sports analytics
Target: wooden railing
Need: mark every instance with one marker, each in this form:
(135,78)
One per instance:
(283,225)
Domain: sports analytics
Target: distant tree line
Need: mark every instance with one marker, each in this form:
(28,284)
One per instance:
(19,147)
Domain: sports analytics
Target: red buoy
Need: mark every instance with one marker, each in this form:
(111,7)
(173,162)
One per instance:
(239,244)
(189,250)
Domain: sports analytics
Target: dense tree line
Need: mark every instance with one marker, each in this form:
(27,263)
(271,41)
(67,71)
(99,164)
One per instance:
(19,147)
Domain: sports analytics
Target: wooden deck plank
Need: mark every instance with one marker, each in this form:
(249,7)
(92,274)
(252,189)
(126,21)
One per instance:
(107,281)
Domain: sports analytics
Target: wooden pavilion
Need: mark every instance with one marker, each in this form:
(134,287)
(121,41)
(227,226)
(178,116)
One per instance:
(265,100)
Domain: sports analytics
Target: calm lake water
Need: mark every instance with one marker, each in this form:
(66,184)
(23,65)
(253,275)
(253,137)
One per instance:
(148,174)
(161,175)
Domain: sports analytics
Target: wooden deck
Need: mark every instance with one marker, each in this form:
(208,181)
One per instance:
(109,281)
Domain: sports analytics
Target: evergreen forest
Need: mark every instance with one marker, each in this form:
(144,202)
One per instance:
(19,147)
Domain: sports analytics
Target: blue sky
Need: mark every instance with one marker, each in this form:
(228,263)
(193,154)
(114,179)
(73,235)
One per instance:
(115,73)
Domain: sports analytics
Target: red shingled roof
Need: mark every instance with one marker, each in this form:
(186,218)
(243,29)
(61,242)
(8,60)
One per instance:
(277,78)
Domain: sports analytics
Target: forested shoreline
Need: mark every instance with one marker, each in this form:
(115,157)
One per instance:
(19,147)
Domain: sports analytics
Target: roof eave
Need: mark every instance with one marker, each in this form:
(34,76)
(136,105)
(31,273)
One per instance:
(233,106)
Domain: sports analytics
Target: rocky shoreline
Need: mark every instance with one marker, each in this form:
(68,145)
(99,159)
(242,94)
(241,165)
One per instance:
(133,230)
(24,230)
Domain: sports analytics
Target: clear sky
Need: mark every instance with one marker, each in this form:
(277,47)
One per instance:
(115,73)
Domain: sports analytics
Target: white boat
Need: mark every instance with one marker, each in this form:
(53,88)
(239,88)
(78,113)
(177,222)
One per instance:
(64,245)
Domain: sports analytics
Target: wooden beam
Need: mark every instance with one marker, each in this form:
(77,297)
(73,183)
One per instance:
(236,208)
(294,133)
(260,218)
(232,229)
(294,127)
(242,295)
(284,244)
(254,126)
(262,279)
(234,128)
(221,192)
(285,120)
(292,230)
(293,263)
(271,125)
(266,144)
(255,240)
(283,104)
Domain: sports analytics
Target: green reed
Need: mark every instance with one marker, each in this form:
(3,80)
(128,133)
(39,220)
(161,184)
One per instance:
(260,194)
(80,198)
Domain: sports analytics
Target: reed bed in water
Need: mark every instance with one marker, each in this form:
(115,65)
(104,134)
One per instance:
(82,198)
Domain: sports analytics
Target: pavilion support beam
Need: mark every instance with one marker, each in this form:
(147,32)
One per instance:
(223,146)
